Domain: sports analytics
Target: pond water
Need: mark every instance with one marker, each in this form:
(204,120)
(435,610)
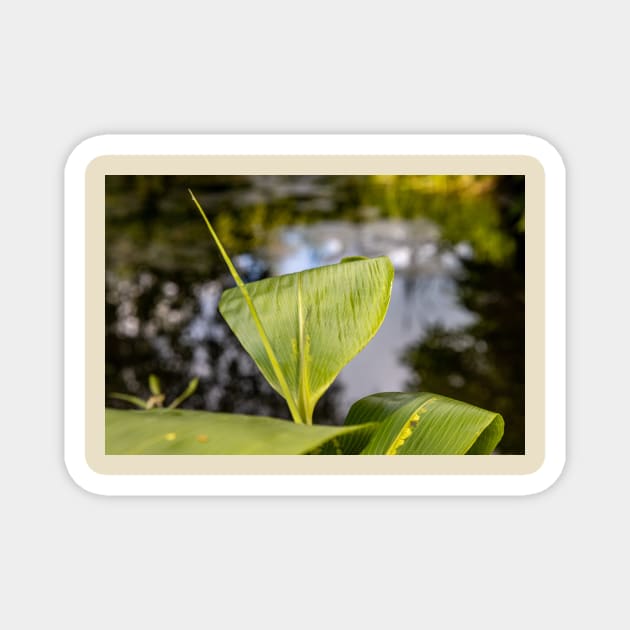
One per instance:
(455,324)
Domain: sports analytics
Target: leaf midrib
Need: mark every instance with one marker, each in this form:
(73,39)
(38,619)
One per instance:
(303,383)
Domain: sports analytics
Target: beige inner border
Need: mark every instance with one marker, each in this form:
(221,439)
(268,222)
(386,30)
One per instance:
(322,165)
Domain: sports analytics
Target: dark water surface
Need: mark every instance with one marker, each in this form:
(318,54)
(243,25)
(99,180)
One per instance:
(455,325)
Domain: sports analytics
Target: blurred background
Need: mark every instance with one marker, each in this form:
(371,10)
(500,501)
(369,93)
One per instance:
(456,322)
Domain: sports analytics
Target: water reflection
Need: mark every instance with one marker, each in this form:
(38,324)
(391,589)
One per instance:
(456,319)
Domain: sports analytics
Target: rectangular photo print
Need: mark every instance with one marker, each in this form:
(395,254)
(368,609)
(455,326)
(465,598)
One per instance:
(308,314)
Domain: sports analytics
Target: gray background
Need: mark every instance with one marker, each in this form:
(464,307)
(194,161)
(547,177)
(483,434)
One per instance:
(73,70)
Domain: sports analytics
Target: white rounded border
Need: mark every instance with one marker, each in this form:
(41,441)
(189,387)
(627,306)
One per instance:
(315,485)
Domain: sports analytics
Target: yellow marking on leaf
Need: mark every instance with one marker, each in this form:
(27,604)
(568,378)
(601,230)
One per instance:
(170,436)
(408,427)
(202,439)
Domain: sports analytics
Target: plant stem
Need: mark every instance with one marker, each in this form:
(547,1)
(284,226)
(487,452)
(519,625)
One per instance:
(297,417)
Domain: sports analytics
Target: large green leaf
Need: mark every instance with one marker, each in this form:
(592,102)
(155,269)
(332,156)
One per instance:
(426,424)
(316,321)
(179,432)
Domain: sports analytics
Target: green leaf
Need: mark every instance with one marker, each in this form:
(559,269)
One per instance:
(191,388)
(426,424)
(315,320)
(154,385)
(302,329)
(134,400)
(180,432)
(348,443)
